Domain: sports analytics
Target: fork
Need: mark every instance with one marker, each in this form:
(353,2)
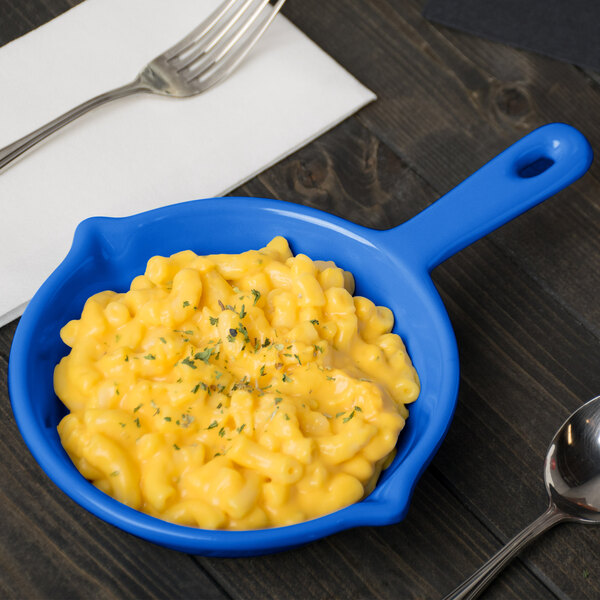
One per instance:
(197,62)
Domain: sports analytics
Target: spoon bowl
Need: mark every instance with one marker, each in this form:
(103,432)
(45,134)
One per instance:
(572,477)
(572,467)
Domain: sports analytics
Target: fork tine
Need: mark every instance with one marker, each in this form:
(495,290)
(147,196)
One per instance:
(228,61)
(199,31)
(223,39)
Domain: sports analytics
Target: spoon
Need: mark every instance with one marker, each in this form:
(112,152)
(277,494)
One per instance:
(572,477)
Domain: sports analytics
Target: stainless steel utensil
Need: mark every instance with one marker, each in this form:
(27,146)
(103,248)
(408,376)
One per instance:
(202,58)
(572,477)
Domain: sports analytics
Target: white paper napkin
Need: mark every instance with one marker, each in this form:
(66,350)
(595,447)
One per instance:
(144,151)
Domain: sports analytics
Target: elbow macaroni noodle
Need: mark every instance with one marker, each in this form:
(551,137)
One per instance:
(234,391)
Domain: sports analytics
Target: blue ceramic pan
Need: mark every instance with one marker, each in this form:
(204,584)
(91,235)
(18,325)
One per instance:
(390,267)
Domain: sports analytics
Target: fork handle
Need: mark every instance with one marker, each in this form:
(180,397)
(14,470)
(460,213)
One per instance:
(22,145)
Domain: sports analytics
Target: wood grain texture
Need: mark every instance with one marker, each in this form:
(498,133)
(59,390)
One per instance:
(523,303)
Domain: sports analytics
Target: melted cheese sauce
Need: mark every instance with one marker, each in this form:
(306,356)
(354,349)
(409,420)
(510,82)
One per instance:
(234,391)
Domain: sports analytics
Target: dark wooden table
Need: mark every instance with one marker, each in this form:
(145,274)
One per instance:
(523,302)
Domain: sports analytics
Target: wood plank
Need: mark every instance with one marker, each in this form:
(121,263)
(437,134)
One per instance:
(448,102)
(397,561)
(522,302)
(18,18)
(526,361)
(526,365)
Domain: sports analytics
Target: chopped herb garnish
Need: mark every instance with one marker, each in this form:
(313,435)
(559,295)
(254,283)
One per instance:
(241,428)
(314,321)
(189,363)
(329,378)
(358,408)
(186,331)
(162,339)
(214,320)
(138,407)
(176,447)
(286,417)
(339,414)
(122,424)
(204,355)
(244,332)
(167,419)
(285,378)
(244,384)
(279,347)
(318,349)
(262,371)
(212,425)
(297,358)
(126,358)
(218,374)
(114,473)
(186,420)
(185,303)
(243,312)
(221,432)
(137,421)
(150,357)
(266,343)
(195,388)
(346,419)
(278,400)
(256,295)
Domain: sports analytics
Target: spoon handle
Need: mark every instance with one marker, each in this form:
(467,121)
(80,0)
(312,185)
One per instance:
(474,585)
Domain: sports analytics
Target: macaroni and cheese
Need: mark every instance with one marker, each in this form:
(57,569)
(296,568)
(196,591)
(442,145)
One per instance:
(234,391)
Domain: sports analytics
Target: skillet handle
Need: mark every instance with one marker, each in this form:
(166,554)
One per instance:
(534,168)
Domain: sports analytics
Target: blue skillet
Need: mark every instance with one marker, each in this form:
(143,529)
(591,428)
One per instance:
(390,267)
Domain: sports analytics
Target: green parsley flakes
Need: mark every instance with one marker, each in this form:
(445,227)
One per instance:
(346,419)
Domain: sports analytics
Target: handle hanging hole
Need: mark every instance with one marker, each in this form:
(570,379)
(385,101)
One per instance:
(535,167)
